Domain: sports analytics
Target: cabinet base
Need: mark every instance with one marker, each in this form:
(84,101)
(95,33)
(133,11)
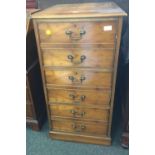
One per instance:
(33,124)
(80,138)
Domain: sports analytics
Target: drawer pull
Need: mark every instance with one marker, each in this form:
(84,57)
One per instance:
(83,98)
(72,96)
(77,114)
(82,78)
(78,128)
(78,37)
(72,78)
(82,32)
(71,58)
(83,57)
(68,32)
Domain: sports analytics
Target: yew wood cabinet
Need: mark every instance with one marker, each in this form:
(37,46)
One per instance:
(78,47)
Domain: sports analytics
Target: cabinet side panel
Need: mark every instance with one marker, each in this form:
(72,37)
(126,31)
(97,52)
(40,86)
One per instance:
(118,39)
(41,67)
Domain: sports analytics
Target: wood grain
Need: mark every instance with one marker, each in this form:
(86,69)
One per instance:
(79,97)
(81,10)
(92,78)
(81,127)
(102,140)
(71,57)
(94,32)
(81,112)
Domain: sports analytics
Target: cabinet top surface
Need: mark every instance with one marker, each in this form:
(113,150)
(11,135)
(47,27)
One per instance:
(81,10)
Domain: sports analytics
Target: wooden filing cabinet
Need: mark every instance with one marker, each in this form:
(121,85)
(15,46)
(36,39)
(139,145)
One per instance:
(35,100)
(78,47)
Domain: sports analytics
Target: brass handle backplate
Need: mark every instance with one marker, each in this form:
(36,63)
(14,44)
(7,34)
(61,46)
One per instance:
(71,58)
(78,128)
(77,37)
(73,79)
(73,97)
(77,114)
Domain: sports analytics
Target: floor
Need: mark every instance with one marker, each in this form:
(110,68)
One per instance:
(38,143)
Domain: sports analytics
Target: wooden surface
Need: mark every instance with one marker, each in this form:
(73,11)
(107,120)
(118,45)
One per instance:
(79,112)
(105,9)
(93,32)
(102,140)
(29,25)
(79,97)
(90,78)
(62,38)
(72,57)
(81,127)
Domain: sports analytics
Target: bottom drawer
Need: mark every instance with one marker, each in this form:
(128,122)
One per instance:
(80,127)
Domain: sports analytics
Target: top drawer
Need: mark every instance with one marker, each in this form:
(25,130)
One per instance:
(77,32)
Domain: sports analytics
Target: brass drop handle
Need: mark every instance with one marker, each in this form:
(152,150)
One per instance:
(68,32)
(78,128)
(81,33)
(82,113)
(71,78)
(70,57)
(82,98)
(72,96)
(83,57)
(73,112)
(82,78)
(76,113)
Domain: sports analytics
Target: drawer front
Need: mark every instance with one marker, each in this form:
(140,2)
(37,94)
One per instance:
(80,127)
(78,57)
(79,78)
(82,97)
(77,32)
(79,112)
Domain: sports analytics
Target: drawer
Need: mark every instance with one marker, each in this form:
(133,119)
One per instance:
(82,97)
(79,112)
(78,57)
(79,77)
(82,127)
(77,32)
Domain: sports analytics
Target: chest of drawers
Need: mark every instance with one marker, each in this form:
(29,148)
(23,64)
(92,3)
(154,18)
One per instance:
(78,46)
